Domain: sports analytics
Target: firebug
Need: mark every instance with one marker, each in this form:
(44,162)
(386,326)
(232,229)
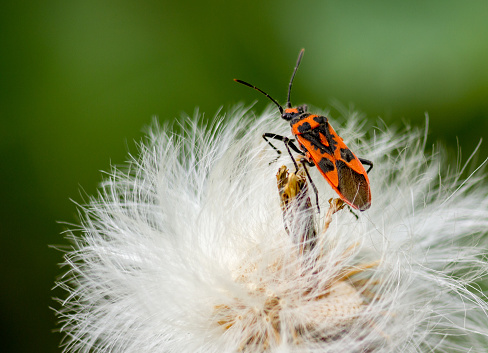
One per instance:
(323,148)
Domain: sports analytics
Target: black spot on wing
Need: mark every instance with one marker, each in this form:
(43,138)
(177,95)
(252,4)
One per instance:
(323,129)
(320,119)
(297,119)
(326,165)
(304,127)
(318,134)
(313,137)
(346,154)
(353,186)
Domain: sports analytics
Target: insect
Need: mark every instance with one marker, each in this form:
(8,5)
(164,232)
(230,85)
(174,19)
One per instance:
(323,148)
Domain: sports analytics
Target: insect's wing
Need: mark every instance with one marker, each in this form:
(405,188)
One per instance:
(353,186)
(338,165)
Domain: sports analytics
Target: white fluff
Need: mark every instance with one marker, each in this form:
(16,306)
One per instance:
(184,250)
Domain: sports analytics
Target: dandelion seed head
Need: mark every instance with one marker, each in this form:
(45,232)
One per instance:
(190,248)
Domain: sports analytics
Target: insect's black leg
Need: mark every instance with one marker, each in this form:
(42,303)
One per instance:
(366,162)
(351,210)
(277,137)
(285,140)
(288,143)
(311,183)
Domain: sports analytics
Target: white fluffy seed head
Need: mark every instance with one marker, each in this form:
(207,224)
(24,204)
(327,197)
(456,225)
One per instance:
(186,250)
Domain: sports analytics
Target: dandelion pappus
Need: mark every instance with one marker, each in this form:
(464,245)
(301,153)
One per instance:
(323,148)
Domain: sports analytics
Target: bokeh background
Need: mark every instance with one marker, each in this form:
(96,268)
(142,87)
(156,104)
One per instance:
(80,79)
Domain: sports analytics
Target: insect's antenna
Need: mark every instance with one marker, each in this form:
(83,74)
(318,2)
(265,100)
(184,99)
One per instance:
(288,101)
(267,95)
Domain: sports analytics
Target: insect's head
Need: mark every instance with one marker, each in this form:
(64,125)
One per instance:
(288,113)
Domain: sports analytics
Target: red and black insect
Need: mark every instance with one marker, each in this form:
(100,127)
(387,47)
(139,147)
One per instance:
(323,148)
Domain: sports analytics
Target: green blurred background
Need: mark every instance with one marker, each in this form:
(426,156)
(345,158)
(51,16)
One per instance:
(80,79)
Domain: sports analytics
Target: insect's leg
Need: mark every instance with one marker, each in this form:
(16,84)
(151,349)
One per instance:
(366,162)
(351,210)
(309,163)
(284,139)
(311,183)
(288,143)
(273,136)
